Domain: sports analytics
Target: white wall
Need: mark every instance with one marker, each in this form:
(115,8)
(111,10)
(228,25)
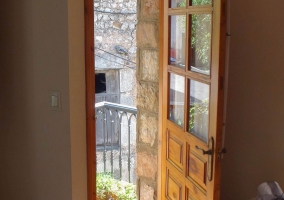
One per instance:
(255,118)
(38,54)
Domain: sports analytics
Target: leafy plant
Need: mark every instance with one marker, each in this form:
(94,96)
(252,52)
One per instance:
(195,2)
(200,36)
(110,188)
(196,113)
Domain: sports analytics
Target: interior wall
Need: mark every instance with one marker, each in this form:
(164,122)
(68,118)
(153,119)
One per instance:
(255,113)
(35,150)
(77,93)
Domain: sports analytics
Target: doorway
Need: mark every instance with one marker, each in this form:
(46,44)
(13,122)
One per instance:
(150,84)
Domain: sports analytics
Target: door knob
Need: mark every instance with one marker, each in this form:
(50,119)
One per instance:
(209,152)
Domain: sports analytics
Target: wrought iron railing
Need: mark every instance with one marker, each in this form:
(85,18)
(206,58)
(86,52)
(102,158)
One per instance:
(116,140)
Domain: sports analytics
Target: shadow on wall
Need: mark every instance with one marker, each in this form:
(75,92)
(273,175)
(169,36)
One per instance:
(16,123)
(255,113)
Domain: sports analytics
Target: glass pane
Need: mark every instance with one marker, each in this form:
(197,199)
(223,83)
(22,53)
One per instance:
(201,43)
(177,41)
(201,2)
(199,110)
(176,113)
(177,3)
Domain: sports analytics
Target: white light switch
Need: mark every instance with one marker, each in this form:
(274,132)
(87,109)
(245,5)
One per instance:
(55,101)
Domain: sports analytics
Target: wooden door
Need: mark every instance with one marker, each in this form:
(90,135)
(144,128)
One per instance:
(193,55)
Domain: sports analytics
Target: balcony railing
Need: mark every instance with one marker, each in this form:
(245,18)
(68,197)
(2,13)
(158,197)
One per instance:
(116,140)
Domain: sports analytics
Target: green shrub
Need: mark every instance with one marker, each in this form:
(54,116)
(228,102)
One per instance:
(110,188)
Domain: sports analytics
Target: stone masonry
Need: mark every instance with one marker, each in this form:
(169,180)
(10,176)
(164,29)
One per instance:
(147,98)
(115,25)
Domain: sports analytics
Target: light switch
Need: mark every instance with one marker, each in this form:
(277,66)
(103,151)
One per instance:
(55,101)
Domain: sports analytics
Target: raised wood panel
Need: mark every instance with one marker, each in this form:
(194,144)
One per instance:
(197,169)
(194,193)
(175,150)
(173,188)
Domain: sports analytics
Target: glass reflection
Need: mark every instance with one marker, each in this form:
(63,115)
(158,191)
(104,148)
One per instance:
(201,2)
(177,41)
(177,3)
(201,43)
(199,110)
(176,107)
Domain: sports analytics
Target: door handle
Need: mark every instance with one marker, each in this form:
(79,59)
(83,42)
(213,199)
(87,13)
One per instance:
(210,153)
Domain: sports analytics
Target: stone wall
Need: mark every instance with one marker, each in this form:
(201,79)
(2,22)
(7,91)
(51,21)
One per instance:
(115,25)
(147,98)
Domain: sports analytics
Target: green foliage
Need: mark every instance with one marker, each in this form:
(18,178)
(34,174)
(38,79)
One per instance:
(196,112)
(108,187)
(196,2)
(200,32)
(201,2)
(182,4)
(201,37)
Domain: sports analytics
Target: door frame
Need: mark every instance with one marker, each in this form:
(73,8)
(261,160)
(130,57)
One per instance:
(162,121)
(90,98)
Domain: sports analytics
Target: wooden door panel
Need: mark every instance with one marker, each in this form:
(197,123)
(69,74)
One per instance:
(197,169)
(194,193)
(174,185)
(186,165)
(175,150)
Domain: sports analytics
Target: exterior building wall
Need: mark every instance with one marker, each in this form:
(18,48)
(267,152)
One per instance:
(147,98)
(115,25)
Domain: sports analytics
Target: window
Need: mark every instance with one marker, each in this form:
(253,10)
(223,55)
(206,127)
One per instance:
(100,83)
(107,86)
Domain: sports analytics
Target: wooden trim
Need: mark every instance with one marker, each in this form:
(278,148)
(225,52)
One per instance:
(221,92)
(90,97)
(191,10)
(176,70)
(217,93)
(161,152)
(190,74)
